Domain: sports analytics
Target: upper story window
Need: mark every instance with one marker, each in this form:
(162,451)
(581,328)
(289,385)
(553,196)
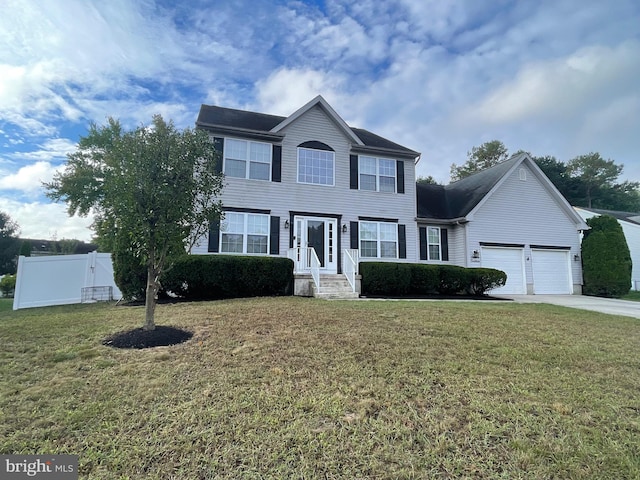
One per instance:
(247,159)
(378,240)
(377,174)
(244,233)
(316,166)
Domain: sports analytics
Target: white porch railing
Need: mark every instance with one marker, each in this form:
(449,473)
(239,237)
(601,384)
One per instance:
(350,259)
(306,260)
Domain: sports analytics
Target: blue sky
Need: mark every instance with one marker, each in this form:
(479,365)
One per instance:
(556,77)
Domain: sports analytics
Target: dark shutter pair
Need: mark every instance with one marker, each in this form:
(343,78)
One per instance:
(402,238)
(276,159)
(354,180)
(274,236)
(444,244)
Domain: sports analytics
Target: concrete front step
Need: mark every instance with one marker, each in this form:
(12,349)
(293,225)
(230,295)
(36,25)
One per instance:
(334,287)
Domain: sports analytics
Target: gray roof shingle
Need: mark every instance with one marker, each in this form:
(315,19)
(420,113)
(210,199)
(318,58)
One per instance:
(457,199)
(211,116)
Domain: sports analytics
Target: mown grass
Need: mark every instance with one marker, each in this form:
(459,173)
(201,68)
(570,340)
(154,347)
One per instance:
(633,295)
(300,388)
(6,304)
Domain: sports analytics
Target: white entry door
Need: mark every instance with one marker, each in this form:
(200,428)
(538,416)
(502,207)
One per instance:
(320,234)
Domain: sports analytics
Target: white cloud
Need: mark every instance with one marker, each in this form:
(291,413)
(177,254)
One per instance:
(562,88)
(286,90)
(46,220)
(29,179)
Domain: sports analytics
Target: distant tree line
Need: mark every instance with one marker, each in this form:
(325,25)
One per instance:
(585,181)
(11,245)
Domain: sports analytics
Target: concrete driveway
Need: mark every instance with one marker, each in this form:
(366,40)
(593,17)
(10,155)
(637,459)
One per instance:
(583,302)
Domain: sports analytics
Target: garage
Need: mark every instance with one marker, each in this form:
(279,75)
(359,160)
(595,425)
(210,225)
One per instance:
(551,271)
(511,261)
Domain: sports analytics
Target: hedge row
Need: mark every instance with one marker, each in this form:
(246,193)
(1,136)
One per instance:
(212,277)
(383,278)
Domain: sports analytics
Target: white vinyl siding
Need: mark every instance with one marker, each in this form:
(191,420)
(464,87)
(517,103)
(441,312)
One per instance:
(378,240)
(244,233)
(246,159)
(377,174)
(523,212)
(283,198)
(316,166)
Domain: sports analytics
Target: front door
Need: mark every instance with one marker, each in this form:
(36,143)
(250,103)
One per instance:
(321,235)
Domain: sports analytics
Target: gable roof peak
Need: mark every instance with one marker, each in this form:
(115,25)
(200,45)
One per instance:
(318,100)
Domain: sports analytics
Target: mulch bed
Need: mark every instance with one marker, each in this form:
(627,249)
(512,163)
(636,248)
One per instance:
(138,338)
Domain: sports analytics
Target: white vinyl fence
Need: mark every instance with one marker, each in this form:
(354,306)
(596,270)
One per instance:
(64,279)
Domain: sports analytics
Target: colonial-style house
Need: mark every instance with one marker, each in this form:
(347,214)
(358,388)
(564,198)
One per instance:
(328,196)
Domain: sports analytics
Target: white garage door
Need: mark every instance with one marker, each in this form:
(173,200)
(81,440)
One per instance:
(551,272)
(510,261)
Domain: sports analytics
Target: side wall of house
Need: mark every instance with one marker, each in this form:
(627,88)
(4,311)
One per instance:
(282,198)
(524,212)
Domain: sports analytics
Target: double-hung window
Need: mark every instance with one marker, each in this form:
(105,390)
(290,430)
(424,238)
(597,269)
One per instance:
(316,166)
(244,233)
(247,159)
(378,240)
(433,243)
(377,174)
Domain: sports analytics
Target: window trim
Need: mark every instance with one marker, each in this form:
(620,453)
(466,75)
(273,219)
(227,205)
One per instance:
(245,234)
(378,240)
(378,174)
(248,161)
(333,167)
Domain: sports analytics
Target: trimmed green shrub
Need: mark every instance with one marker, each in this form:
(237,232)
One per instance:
(212,277)
(8,285)
(480,280)
(606,261)
(130,275)
(387,278)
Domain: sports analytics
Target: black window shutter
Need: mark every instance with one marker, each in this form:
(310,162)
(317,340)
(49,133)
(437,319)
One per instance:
(353,226)
(218,144)
(353,172)
(444,244)
(400,175)
(275,236)
(423,243)
(214,237)
(402,241)
(276,164)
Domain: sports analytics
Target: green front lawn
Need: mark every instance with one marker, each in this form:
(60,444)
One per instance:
(301,388)
(632,295)
(6,304)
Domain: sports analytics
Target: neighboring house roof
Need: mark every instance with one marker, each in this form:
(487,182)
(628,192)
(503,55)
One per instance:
(458,201)
(266,126)
(631,217)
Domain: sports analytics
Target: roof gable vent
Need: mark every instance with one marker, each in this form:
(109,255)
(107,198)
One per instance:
(522,173)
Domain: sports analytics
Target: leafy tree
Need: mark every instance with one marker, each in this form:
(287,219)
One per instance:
(557,172)
(9,244)
(8,285)
(153,191)
(25,248)
(427,181)
(594,173)
(606,261)
(479,158)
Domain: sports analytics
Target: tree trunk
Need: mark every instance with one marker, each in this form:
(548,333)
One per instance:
(150,300)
